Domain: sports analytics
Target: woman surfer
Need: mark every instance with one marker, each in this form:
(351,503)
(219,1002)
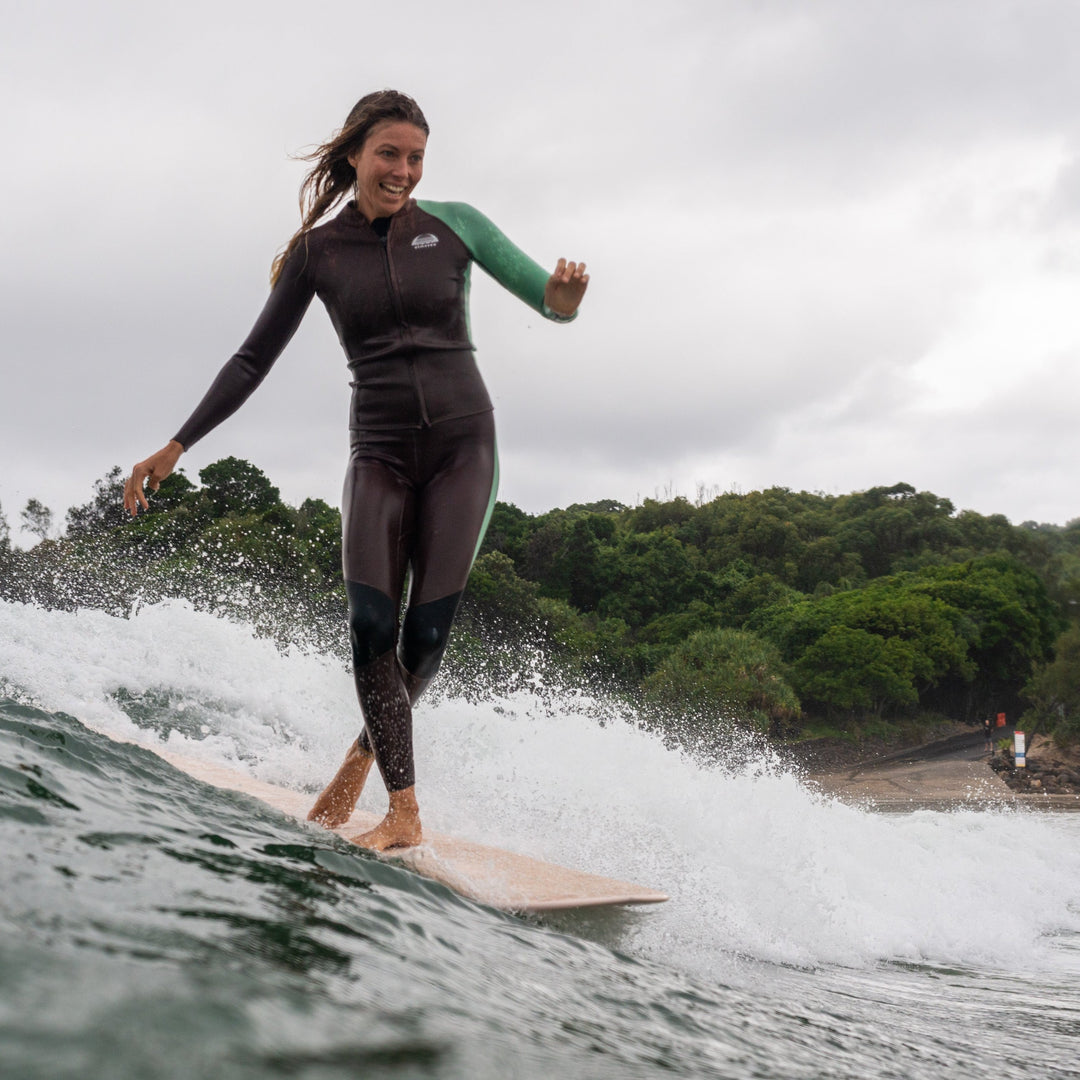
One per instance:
(393,274)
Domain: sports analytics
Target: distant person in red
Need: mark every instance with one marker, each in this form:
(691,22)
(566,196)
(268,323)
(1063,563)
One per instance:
(988,732)
(420,486)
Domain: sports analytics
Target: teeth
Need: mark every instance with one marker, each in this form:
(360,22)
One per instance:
(393,190)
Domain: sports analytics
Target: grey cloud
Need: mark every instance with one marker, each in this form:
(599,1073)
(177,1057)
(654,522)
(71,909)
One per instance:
(757,186)
(1063,204)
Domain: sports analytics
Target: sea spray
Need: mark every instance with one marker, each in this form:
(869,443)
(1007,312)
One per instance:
(757,863)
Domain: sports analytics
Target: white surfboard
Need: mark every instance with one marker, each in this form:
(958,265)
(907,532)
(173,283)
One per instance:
(501,879)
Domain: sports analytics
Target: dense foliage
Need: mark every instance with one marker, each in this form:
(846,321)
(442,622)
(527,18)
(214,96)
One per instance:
(1054,691)
(775,607)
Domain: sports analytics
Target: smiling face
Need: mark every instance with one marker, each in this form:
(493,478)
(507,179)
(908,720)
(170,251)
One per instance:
(388,166)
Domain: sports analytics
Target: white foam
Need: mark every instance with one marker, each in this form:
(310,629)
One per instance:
(252,702)
(756,863)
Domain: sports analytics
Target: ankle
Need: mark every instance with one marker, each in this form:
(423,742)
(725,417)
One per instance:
(403,803)
(357,753)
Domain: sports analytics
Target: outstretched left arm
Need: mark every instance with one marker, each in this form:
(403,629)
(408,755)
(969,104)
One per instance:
(556,297)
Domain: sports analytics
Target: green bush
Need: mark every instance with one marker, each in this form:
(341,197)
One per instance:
(728,673)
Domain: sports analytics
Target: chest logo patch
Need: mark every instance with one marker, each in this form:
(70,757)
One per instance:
(425,240)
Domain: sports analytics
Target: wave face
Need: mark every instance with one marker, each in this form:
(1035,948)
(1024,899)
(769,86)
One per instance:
(153,926)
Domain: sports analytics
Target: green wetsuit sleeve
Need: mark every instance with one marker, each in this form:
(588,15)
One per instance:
(503,260)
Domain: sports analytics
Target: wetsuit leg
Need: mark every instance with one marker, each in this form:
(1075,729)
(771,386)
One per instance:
(425,634)
(378,509)
(423,498)
(414,687)
(452,511)
(387,720)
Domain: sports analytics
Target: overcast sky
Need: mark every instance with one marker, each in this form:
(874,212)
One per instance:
(834,244)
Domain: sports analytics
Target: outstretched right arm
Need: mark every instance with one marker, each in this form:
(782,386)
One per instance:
(289,300)
(153,470)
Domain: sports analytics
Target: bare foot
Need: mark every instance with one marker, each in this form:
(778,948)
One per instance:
(400,827)
(338,801)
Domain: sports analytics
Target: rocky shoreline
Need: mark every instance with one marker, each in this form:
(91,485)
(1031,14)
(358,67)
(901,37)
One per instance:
(1049,770)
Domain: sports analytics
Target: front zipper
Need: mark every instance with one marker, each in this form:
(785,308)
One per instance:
(391,282)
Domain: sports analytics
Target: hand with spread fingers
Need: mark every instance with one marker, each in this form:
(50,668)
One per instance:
(566,287)
(153,470)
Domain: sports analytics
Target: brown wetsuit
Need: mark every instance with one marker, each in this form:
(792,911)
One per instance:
(423,468)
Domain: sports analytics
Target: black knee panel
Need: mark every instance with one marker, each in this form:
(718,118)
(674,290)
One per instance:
(372,623)
(424,635)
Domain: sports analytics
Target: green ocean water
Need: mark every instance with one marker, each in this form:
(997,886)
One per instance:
(152,926)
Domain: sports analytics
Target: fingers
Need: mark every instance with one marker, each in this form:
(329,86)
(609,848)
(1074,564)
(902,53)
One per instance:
(134,496)
(567,272)
(153,470)
(134,492)
(566,287)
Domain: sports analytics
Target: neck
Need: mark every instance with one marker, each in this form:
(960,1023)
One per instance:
(370,214)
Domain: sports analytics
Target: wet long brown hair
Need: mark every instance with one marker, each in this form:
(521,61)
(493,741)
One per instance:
(332,177)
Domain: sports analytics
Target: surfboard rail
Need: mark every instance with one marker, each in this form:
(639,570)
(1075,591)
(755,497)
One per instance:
(490,875)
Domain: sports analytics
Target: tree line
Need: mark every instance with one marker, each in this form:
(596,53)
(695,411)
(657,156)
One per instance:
(790,611)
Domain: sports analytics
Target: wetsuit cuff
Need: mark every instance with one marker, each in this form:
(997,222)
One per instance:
(554,316)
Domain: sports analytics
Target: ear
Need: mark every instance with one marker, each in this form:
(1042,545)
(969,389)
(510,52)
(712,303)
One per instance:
(353,158)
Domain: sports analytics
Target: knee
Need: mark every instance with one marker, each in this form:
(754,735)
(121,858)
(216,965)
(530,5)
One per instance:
(425,634)
(372,623)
